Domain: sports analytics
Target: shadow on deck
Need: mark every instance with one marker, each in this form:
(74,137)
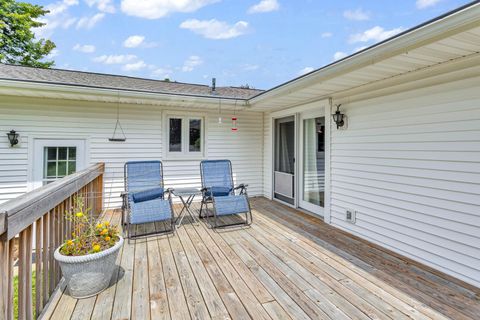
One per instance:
(287,265)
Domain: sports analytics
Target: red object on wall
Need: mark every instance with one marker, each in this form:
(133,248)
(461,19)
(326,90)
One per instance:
(234,124)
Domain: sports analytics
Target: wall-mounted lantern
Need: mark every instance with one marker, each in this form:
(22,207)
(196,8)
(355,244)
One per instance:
(338,117)
(13,138)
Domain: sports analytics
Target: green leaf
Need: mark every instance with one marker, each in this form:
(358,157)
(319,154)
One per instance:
(18,44)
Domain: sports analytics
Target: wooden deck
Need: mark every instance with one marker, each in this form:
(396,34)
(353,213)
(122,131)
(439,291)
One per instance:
(288,265)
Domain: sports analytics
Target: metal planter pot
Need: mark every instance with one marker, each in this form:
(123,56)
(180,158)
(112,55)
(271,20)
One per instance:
(90,274)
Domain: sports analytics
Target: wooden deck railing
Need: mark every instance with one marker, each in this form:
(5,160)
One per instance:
(34,225)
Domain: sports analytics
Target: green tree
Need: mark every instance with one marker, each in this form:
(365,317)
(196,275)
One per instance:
(18,44)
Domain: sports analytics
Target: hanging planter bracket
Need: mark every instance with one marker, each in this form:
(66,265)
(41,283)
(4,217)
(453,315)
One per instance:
(118,125)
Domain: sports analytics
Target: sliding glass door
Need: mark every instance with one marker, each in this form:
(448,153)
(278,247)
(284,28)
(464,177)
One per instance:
(312,165)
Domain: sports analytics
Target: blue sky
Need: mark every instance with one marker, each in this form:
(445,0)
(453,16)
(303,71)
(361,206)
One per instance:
(258,42)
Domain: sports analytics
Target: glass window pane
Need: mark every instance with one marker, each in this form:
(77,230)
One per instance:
(285,145)
(62,153)
(175,127)
(51,153)
(62,168)
(195,140)
(51,170)
(72,153)
(72,167)
(314,161)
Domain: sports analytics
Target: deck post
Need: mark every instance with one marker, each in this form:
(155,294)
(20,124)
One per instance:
(3,279)
(99,190)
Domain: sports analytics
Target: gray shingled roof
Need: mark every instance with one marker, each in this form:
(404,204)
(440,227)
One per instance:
(107,81)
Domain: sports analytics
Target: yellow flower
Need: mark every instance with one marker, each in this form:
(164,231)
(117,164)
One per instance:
(96,248)
(79,214)
(106,223)
(69,243)
(107,238)
(104,232)
(99,226)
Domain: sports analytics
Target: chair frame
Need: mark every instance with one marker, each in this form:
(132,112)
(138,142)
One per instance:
(126,205)
(210,199)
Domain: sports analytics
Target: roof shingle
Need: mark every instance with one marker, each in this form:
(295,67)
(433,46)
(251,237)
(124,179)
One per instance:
(117,82)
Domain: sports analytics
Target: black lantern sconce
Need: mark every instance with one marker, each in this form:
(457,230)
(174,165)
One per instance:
(338,117)
(13,138)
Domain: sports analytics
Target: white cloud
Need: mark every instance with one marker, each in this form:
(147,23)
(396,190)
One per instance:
(374,34)
(264,6)
(69,22)
(138,41)
(191,63)
(339,55)
(250,67)
(214,29)
(116,59)
(102,5)
(133,41)
(54,53)
(356,15)
(155,9)
(58,17)
(162,73)
(90,22)
(135,66)
(422,4)
(86,48)
(326,35)
(60,6)
(305,71)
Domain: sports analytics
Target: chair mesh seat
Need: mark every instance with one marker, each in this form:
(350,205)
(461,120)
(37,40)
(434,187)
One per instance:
(150,211)
(217,175)
(229,205)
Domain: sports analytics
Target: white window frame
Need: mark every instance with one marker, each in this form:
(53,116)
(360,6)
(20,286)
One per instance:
(185,153)
(57,162)
(39,145)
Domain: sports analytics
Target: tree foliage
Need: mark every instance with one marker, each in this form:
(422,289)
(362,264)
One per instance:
(18,44)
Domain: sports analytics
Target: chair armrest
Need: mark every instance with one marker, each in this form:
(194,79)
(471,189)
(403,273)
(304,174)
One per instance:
(169,191)
(241,186)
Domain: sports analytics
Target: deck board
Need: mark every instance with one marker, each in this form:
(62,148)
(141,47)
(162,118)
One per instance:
(287,265)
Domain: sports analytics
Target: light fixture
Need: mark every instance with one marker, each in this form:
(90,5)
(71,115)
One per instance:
(338,117)
(13,138)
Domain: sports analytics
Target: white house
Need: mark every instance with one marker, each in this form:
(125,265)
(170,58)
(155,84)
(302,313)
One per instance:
(403,171)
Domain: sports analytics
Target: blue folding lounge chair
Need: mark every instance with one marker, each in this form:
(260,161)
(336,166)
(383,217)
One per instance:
(218,190)
(144,197)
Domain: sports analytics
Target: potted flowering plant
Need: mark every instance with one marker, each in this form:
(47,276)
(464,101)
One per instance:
(87,259)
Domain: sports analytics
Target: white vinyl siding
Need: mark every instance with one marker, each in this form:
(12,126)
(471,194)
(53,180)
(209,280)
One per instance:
(409,164)
(143,126)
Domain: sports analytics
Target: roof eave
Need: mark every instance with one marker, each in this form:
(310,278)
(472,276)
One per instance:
(459,20)
(91,93)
